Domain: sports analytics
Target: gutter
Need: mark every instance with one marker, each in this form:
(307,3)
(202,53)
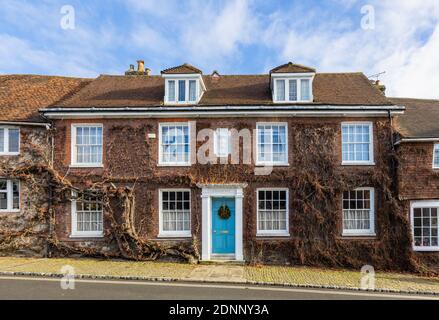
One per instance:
(221,111)
(432,139)
(23,123)
(223,108)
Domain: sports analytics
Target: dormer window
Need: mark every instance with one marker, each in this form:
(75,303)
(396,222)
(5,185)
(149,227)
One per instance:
(181,91)
(292,83)
(183,85)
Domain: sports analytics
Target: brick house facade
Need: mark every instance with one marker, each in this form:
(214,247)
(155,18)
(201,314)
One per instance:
(418,173)
(320,186)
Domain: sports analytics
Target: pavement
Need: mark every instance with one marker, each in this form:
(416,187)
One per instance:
(242,275)
(25,288)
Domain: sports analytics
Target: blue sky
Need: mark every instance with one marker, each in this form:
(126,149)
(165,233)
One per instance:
(239,37)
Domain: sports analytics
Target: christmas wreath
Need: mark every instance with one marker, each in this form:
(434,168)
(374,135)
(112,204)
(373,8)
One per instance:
(224,212)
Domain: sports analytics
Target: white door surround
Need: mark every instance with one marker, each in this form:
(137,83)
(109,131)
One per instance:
(208,192)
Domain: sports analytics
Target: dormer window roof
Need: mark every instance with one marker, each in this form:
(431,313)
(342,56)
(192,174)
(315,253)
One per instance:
(292,68)
(185,68)
(183,85)
(292,83)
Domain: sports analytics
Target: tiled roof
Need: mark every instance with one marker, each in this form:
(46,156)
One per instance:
(292,68)
(183,69)
(144,91)
(420,120)
(22,95)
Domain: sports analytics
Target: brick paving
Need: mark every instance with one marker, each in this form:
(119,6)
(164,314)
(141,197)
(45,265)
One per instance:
(299,276)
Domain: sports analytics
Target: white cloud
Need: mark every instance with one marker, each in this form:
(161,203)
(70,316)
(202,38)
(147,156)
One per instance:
(405,44)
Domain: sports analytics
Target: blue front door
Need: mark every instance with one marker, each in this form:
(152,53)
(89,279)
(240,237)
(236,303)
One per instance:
(223,228)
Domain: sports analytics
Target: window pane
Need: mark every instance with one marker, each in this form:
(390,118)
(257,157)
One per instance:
(356,143)
(2,140)
(280,87)
(305,90)
(272,210)
(14,138)
(175,211)
(436,156)
(89,144)
(175,144)
(3,200)
(357,212)
(89,214)
(222,140)
(293,90)
(192,90)
(181,90)
(425,227)
(15,195)
(171,90)
(272,144)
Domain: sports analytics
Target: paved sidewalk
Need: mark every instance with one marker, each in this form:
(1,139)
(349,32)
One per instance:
(293,276)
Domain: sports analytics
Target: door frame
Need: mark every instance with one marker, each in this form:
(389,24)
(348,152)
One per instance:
(214,191)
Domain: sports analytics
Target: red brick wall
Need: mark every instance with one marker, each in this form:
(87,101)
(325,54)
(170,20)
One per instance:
(139,166)
(417,178)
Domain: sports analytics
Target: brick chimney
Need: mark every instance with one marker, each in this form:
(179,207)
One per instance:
(379,86)
(140,66)
(141,71)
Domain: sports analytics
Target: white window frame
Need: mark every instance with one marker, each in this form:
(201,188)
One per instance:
(173,164)
(436,147)
(6,141)
(198,89)
(273,233)
(422,204)
(286,78)
(174,234)
(216,147)
(271,163)
(9,197)
(371,162)
(362,232)
(74,220)
(73,162)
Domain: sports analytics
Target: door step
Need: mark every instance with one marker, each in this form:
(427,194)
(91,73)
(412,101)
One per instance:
(223,259)
(225,262)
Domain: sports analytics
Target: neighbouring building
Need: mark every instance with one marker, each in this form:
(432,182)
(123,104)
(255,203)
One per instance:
(26,159)
(418,173)
(291,167)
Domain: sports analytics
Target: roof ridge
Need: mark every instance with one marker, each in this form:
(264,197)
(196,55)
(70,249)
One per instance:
(44,76)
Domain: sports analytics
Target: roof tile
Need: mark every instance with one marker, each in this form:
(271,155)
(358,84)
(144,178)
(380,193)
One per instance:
(22,95)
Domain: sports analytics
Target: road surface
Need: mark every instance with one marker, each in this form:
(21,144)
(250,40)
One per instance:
(24,288)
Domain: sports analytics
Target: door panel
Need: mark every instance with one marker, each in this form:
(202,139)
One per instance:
(223,230)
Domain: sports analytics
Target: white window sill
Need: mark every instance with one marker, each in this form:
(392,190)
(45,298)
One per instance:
(272,164)
(354,163)
(176,103)
(174,235)
(87,235)
(10,211)
(358,234)
(271,234)
(9,153)
(426,249)
(292,101)
(86,165)
(174,165)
